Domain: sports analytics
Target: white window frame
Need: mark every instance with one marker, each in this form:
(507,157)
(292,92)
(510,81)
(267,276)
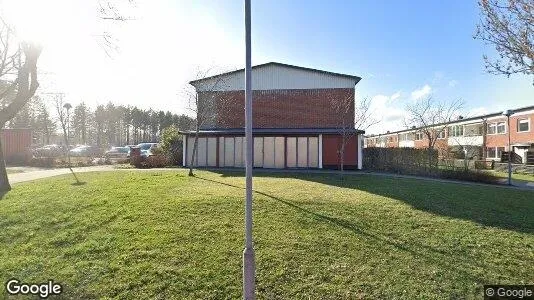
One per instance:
(496,125)
(523,121)
(420,134)
(496,149)
(505,128)
(455,130)
(440,134)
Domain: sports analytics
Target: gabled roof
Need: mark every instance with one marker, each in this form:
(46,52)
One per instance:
(355,78)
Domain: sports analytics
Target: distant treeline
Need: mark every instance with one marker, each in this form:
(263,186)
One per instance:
(107,125)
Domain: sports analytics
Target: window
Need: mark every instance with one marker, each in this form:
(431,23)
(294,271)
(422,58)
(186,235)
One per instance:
(501,127)
(497,128)
(500,150)
(523,125)
(457,130)
(495,152)
(441,134)
(491,152)
(418,136)
(492,128)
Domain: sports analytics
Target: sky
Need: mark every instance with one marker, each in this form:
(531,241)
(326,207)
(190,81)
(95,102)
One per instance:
(403,50)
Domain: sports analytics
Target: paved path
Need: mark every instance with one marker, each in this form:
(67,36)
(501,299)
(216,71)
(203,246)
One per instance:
(33,174)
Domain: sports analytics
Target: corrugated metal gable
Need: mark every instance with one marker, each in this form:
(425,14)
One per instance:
(277,77)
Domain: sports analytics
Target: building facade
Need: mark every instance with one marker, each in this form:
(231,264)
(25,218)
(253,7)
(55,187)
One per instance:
(487,134)
(296,119)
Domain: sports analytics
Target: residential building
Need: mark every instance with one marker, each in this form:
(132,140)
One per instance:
(487,133)
(295,121)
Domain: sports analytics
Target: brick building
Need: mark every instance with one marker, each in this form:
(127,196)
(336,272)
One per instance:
(487,133)
(296,123)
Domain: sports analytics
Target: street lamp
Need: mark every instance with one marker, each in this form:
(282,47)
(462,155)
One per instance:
(249,267)
(508,113)
(67,106)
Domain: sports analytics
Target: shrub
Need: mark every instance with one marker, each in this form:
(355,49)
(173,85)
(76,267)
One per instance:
(476,176)
(400,160)
(156,161)
(43,162)
(171,145)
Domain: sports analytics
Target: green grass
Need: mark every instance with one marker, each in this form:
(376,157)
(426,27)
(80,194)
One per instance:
(517,176)
(163,235)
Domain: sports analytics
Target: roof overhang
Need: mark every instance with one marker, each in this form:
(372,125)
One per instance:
(353,77)
(272,131)
(522,144)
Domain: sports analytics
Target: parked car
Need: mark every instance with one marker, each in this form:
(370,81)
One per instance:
(85,150)
(118,152)
(146,149)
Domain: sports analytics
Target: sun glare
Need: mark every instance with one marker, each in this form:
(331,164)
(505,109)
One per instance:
(41,21)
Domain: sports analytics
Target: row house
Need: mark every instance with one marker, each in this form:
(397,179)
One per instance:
(486,134)
(296,123)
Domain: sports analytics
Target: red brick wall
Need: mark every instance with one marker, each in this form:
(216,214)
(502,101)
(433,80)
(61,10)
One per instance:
(501,140)
(284,108)
(392,141)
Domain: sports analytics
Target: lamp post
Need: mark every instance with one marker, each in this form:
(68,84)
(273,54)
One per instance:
(508,113)
(249,268)
(67,106)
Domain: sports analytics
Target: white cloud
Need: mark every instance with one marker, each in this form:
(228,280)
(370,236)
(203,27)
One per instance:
(422,92)
(453,83)
(384,109)
(395,96)
(477,111)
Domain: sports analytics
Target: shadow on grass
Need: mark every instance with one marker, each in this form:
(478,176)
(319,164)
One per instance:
(489,206)
(460,263)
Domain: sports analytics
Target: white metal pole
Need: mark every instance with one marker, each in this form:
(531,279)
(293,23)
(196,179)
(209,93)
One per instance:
(509,153)
(248,253)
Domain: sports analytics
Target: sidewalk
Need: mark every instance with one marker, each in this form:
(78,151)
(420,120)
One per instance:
(33,174)
(38,174)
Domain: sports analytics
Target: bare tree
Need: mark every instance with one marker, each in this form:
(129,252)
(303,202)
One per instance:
(349,122)
(18,70)
(432,118)
(206,104)
(62,111)
(509,26)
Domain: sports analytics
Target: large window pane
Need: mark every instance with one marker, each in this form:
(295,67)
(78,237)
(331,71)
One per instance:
(302,152)
(268,152)
(212,152)
(258,152)
(201,152)
(291,152)
(229,152)
(313,152)
(239,152)
(279,152)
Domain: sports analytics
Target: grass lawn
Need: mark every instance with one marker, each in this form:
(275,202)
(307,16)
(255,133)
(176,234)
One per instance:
(163,235)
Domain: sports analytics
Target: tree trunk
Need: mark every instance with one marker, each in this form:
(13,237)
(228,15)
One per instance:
(4,180)
(194,154)
(342,156)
